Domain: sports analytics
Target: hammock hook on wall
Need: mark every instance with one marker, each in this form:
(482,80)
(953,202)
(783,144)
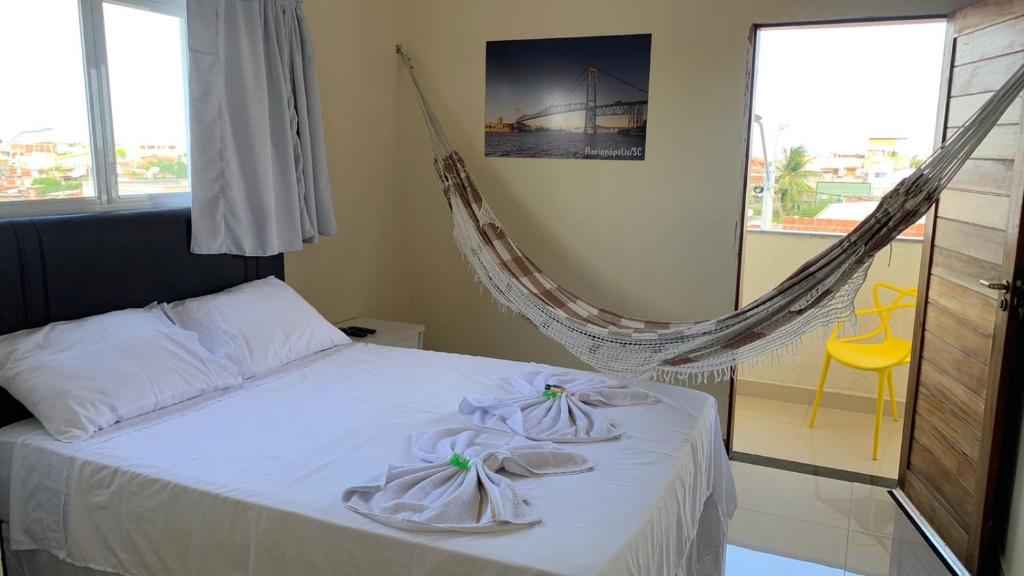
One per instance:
(819,294)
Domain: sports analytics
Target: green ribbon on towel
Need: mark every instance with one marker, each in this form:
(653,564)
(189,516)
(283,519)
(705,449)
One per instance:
(460,461)
(553,391)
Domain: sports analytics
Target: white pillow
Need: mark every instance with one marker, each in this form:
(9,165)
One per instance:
(80,376)
(257,326)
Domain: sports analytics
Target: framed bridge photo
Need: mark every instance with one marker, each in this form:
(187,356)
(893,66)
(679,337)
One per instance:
(568,97)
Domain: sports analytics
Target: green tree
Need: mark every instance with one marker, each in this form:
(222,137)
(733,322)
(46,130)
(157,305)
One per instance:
(794,181)
(169,169)
(52,185)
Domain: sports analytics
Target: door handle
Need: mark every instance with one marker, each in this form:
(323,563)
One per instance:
(1002,286)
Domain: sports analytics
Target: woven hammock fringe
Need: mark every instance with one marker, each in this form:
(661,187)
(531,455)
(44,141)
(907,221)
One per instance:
(691,379)
(812,301)
(847,322)
(509,296)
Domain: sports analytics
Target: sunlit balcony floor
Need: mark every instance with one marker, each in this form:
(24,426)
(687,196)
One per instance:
(840,439)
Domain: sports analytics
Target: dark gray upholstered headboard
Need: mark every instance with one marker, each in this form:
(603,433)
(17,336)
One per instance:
(67,267)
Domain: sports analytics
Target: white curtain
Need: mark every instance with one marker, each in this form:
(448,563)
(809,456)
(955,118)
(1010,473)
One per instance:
(259,169)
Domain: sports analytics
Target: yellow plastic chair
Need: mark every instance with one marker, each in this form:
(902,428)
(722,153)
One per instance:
(880,357)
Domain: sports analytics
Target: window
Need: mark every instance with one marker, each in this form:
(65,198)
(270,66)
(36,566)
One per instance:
(77,135)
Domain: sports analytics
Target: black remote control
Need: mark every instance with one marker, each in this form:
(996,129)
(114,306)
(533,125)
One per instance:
(358,331)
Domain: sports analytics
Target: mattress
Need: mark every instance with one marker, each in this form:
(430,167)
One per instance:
(248,481)
(9,436)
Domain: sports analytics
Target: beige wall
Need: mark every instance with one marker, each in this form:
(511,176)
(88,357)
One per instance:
(365,269)
(768,257)
(652,239)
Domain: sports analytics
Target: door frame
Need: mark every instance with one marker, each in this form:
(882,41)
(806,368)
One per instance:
(748,122)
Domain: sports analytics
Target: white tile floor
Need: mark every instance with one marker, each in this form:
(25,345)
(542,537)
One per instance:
(794,524)
(839,439)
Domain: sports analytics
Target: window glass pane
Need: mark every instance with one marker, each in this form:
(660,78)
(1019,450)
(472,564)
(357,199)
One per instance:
(147,92)
(45,151)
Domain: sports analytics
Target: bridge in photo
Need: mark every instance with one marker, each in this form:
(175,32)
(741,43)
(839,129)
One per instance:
(635,110)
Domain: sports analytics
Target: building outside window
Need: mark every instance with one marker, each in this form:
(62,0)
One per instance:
(93,114)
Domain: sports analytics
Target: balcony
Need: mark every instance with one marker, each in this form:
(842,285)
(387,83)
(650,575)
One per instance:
(774,398)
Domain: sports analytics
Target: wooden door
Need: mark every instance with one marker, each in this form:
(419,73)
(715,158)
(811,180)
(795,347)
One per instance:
(959,388)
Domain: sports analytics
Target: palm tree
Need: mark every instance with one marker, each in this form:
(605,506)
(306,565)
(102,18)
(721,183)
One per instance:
(793,181)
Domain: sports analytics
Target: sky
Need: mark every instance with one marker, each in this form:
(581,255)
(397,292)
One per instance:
(831,88)
(44,74)
(531,74)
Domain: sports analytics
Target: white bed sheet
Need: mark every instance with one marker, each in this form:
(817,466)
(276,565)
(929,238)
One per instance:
(248,481)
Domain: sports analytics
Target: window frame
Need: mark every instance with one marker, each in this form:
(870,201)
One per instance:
(101,121)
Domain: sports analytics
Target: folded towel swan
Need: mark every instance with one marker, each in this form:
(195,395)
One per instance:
(555,406)
(458,487)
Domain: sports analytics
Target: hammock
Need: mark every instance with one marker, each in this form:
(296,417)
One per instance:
(818,295)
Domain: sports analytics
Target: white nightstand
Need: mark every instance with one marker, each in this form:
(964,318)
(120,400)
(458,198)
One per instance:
(389,333)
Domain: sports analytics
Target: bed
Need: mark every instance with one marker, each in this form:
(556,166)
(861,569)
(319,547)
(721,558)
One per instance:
(248,480)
